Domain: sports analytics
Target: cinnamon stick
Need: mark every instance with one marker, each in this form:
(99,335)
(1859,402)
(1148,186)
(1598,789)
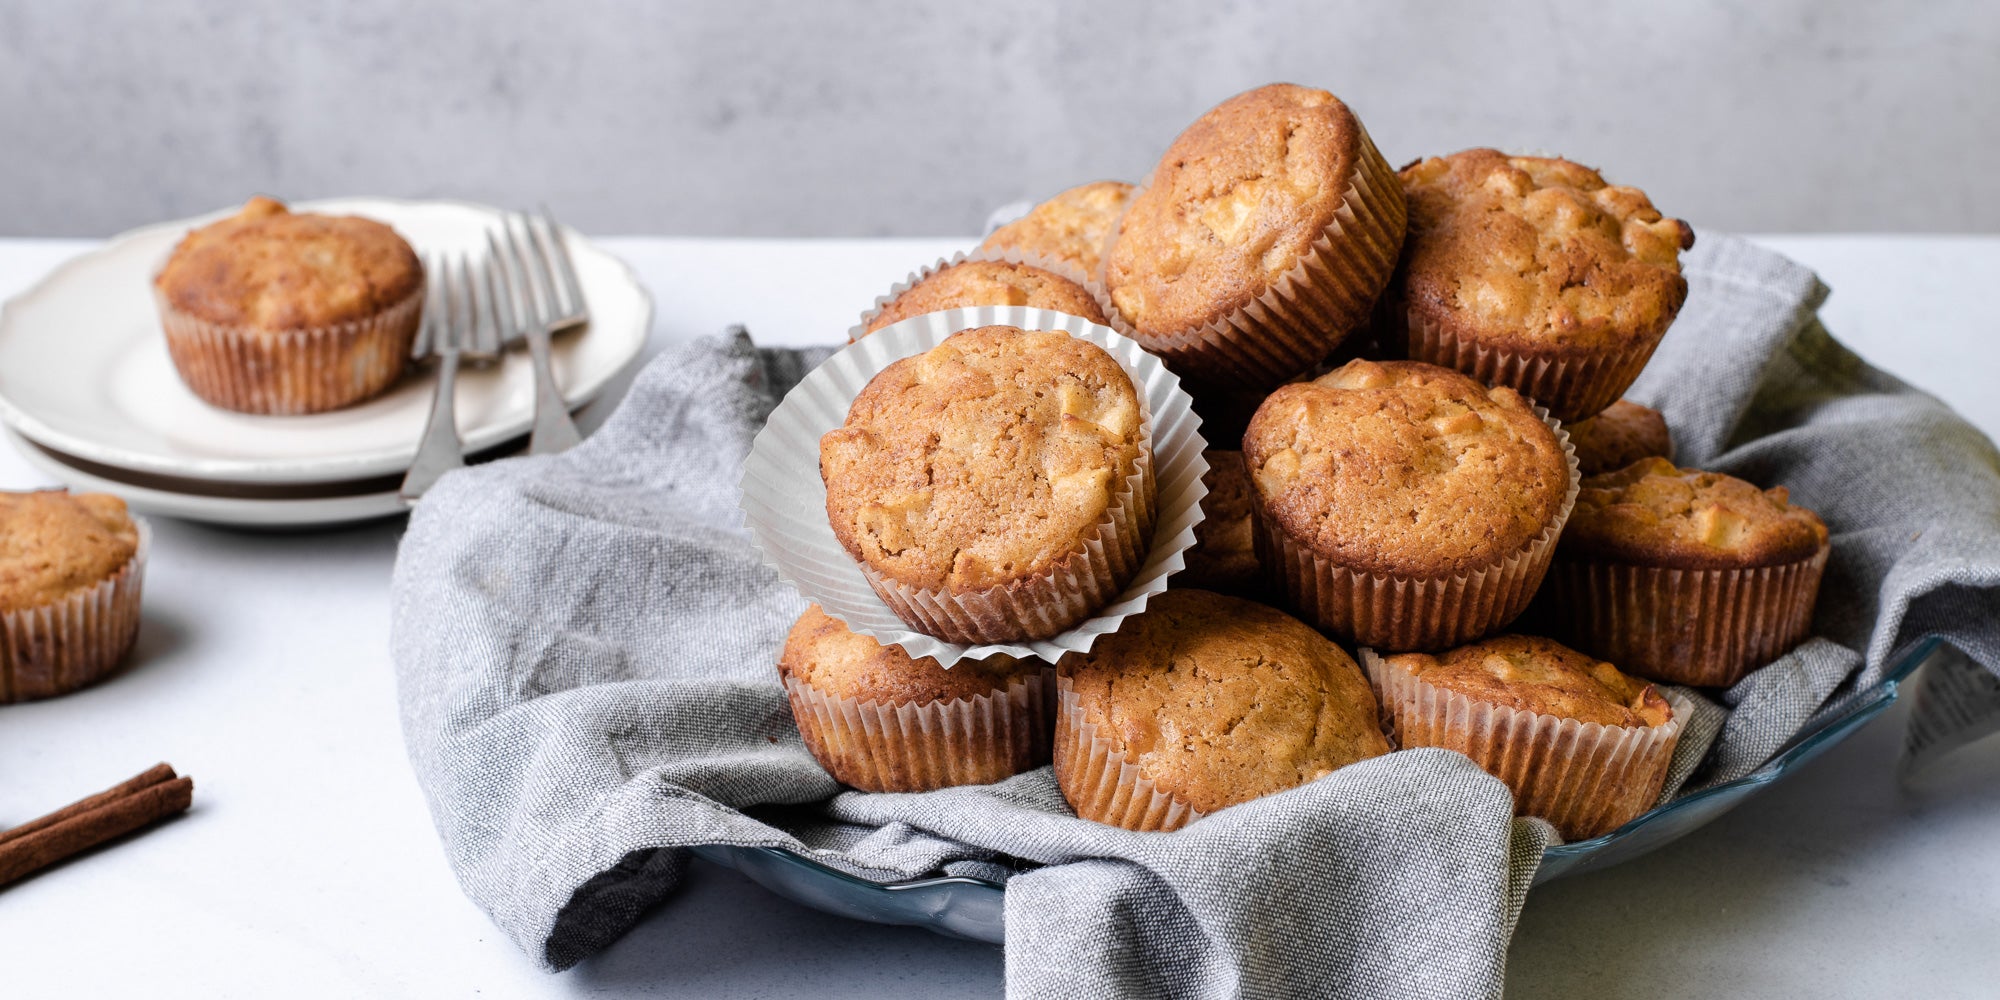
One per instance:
(130,805)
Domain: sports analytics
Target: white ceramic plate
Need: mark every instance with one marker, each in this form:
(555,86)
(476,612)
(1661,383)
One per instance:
(84,367)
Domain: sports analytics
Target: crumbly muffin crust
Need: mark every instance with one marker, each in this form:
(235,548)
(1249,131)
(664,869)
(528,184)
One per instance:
(1219,700)
(989,283)
(267,269)
(1540,675)
(1224,556)
(1618,436)
(54,543)
(1653,513)
(1233,206)
(822,652)
(1405,468)
(985,461)
(1538,254)
(1070,227)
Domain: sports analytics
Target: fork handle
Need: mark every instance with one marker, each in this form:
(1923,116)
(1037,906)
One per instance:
(554,431)
(440,451)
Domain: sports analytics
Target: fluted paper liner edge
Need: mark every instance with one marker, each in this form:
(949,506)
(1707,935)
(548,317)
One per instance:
(1573,388)
(922,746)
(59,647)
(1100,783)
(291,372)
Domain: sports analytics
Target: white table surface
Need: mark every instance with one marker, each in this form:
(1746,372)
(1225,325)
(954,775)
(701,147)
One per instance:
(308,866)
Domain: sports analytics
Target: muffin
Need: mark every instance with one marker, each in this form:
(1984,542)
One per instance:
(981,282)
(1534,273)
(1224,556)
(1405,506)
(1580,744)
(880,721)
(273,312)
(1262,240)
(1201,702)
(1069,228)
(71,566)
(1685,576)
(1622,434)
(997,488)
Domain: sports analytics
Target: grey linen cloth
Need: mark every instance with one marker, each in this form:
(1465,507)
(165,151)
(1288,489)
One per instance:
(584,646)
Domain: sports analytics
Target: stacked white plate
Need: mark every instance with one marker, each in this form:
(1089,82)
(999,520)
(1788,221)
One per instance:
(90,397)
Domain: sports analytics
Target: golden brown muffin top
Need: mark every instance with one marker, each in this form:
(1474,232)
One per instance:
(821,651)
(986,460)
(1404,468)
(1540,675)
(1070,227)
(1219,700)
(1538,252)
(1232,207)
(989,283)
(265,268)
(1224,556)
(1655,514)
(1622,434)
(54,543)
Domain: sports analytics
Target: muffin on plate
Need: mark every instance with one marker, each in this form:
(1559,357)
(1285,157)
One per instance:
(274,312)
(1406,506)
(1201,702)
(1623,433)
(1580,744)
(1224,556)
(1535,273)
(996,488)
(1261,240)
(1686,576)
(1069,228)
(71,567)
(881,721)
(1016,281)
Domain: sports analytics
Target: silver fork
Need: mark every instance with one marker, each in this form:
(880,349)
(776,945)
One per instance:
(544,298)
(461,322)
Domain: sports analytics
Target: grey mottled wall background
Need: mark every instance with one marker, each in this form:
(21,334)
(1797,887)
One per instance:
(894,117)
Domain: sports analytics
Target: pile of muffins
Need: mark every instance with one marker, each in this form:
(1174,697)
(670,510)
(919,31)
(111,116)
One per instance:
(1412,383)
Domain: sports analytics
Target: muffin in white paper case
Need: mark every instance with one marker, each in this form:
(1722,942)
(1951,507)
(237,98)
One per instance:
(784,500)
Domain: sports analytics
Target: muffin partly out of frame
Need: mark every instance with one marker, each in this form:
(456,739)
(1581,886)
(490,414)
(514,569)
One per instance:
(1581,744)
(996,488)
(1261,241)
(1685,576)
(1069,228)
(1406,506)
(1201,702)
(1535,273)
(71,569)
(881,721)
(1016,280)
(1623,433)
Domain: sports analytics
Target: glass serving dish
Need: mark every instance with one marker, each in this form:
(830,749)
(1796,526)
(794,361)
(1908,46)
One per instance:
(973,908)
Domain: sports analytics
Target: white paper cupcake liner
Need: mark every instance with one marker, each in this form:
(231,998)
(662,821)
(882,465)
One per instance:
(1100,783)
(921,746)
(1572,388)
(1402,613)
(288,372)
(56,648)
(784,500)
(1586,778)
(1061,269)
(1302,317)
(1704,628)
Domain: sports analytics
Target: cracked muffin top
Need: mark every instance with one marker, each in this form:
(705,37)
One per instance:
(1070,227)
(1220,700)
(988,459)
(822,652)
(1540,675)
(1618,436)
(266,268)
(989,283)
(1235,203)
(1538,253)
(54,543)
(1405,468)
(1656,514)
